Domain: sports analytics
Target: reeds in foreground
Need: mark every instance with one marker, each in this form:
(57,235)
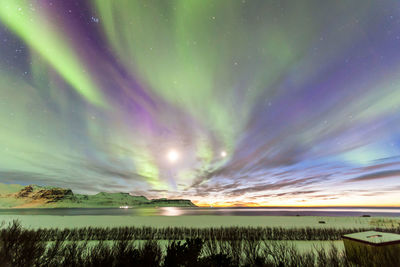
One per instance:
(182,233)
(228,247)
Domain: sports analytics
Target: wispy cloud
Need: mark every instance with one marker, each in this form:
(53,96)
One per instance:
(376,175)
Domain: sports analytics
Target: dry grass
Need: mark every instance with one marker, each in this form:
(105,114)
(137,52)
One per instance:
(22,247)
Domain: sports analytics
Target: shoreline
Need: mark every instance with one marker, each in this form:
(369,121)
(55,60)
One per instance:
(199,221)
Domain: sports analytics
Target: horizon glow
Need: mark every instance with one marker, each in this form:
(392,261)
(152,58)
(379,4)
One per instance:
(227,103)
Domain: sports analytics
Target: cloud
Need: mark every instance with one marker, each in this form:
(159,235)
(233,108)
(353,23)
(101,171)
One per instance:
(77,184)
(379,166)
(24,177)
(376,175)
(274,186)
(113,171)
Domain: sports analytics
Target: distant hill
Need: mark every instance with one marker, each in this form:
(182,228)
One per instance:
(34,196)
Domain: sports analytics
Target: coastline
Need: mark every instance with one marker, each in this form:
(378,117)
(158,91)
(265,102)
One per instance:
(198,221)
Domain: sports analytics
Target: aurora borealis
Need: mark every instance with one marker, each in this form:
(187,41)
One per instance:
(270,103)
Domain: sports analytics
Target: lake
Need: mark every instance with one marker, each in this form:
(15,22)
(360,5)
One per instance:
(232,211)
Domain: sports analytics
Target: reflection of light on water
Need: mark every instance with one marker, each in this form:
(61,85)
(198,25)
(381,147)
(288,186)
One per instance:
(171,211)
(146,211)
(124,207)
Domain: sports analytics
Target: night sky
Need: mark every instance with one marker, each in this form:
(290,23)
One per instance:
(267,103)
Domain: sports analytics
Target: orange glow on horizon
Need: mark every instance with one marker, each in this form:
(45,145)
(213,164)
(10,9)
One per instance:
(294,206)
(253,205)
(384,200)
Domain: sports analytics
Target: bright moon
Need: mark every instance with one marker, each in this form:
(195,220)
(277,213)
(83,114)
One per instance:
(223,154)
(173,156)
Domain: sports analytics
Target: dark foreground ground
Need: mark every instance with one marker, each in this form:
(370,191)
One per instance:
(179,246)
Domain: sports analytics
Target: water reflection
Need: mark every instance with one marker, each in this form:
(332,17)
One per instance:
(182,211)
(171,211)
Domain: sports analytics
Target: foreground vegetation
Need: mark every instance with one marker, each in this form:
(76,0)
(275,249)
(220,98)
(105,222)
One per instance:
(182,233)
(202,247)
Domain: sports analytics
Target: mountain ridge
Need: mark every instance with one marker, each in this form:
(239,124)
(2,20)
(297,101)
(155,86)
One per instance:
(36,196)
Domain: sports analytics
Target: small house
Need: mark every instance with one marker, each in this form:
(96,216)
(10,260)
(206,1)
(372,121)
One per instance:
(371,246)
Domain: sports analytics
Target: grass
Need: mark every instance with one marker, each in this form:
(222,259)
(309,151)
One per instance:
(182,233)
(238,246)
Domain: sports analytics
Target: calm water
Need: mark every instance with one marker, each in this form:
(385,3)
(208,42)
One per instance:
(175,211)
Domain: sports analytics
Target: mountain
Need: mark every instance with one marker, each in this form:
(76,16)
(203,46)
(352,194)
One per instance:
(34,196)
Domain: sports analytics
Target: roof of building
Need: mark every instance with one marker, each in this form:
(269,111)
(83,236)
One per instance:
(374,238)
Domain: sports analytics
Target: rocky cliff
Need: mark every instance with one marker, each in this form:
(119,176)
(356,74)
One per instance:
(47,195)
(34,196)
(171,202)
